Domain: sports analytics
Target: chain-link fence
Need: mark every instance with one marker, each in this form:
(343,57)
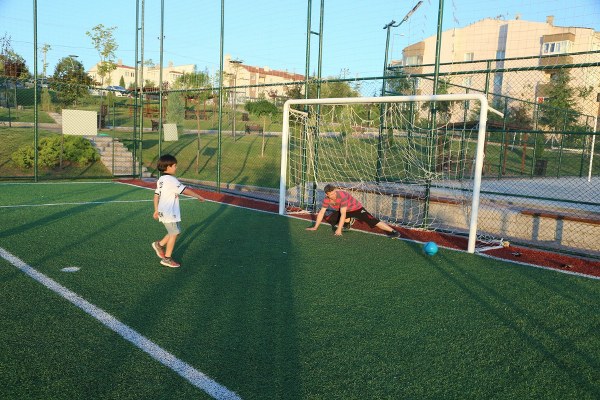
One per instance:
(541,159)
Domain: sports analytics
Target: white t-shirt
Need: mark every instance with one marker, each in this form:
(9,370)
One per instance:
(169,189)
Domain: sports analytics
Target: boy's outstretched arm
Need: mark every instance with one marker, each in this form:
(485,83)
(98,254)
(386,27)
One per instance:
(189,192)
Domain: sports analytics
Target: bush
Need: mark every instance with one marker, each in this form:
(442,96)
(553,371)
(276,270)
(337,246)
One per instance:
(75,150)
(23,157)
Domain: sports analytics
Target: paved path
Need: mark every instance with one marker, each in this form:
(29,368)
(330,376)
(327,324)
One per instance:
(56,117)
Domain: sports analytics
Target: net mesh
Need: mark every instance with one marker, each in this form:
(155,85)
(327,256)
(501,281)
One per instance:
(410,164)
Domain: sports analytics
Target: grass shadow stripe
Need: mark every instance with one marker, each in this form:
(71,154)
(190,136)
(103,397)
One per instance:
(183,369)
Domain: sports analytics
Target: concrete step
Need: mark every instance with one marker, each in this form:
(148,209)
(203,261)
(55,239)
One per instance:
(115,156)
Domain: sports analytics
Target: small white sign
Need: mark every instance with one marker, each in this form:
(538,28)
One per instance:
(170,131)
(79,122)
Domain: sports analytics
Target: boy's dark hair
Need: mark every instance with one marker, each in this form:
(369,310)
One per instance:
(329,188)
(165,161)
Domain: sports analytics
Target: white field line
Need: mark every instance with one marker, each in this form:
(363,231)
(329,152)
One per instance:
(76,203)
(186,371)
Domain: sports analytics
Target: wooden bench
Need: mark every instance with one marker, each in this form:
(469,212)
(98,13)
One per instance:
(253,128)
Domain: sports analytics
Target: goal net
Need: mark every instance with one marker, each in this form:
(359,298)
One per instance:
(412,161)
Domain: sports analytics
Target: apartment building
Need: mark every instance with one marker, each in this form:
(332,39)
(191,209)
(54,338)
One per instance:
(245,77)
(170,74)
(504,42)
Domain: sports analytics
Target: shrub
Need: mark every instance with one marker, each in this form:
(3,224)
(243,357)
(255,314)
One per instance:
(23,157)
(75,150)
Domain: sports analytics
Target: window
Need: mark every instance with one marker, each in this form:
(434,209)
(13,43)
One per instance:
(469,56)
(561,47)
(413,60)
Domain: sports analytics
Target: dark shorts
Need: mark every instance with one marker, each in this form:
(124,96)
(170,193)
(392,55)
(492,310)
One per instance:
(360,214)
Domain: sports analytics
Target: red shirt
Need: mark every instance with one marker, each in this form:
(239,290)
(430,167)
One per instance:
(342,199)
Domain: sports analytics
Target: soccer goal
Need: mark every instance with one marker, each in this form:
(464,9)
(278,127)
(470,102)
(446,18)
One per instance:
(413,161)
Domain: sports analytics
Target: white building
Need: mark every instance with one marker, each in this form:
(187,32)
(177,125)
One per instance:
(170,74)
(500,40)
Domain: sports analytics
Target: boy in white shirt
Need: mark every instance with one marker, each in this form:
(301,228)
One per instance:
(166,208)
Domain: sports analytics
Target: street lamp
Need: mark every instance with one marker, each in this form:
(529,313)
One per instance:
(382,109)
(72,58)
(236,64)
(387,27)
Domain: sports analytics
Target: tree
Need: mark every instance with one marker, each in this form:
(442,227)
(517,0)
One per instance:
(12,65)
(105,44)
(264,109)
(399,84)
(175,108)
(197,80)
(261,108)
(122,81)
(70,81)
(558,111)
(520,118)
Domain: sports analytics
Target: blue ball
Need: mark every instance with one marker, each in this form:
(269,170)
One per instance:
(430,248)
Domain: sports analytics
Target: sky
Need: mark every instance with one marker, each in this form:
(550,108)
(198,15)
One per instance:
(263,32)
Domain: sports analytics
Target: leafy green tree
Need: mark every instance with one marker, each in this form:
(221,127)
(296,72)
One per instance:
(122,81)
(399,84)
(442,108)
(12,65)
(106,45)
(558,111)
(199,89)
(266,110)
(261,108)
(329,89)
(175,108)
(70,81)
(294,91)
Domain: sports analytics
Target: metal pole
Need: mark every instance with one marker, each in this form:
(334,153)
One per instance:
(236,64)
(320,61)
(591,157)
(317,128)
(304,127)
(160,78)
(382,107)
(432,140)
(141,79)
(594,140)
(135,102)
(307,61)
(220,125)
(35,95)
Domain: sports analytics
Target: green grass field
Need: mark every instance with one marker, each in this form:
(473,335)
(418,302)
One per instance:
(269,310)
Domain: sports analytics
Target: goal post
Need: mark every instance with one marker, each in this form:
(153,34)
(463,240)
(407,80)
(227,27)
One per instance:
(386,151)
